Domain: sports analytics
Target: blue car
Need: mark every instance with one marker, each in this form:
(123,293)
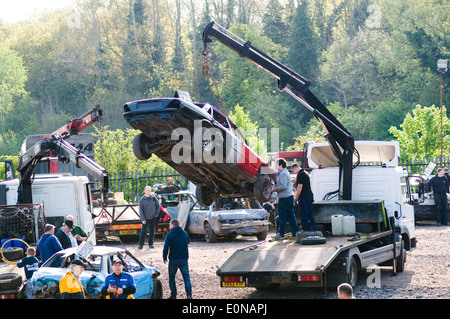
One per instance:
(45,281)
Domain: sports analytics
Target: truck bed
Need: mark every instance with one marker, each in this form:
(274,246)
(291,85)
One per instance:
(289,256)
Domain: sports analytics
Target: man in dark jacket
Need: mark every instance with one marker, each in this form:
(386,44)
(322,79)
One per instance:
(148,212)
(176,248)
(438,187)
(48,244)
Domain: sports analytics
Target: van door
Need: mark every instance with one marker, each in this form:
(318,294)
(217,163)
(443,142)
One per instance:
(406,218)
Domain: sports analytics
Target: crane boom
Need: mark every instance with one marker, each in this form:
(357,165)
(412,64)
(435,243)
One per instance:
(296,85)
(57,144)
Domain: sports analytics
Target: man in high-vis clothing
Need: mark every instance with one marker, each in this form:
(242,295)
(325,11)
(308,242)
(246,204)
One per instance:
(70,285)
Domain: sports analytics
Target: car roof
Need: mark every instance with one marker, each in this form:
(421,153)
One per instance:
(97,251)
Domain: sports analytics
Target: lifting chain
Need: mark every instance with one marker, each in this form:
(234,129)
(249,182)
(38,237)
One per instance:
(206,71)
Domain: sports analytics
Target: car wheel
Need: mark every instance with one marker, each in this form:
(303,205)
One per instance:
(262,235)
(313,240)
(157,289)
(262,188)
(139,147)
(203,195)
(210,235)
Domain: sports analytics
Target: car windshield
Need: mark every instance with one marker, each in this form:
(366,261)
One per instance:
(95,262)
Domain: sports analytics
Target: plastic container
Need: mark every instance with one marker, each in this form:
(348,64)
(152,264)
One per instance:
(349,226)
(337,225)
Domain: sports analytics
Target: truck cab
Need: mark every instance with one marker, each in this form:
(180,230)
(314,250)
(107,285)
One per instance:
(61,195)
(376,176)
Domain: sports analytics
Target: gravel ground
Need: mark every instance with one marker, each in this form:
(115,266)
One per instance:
(426,275)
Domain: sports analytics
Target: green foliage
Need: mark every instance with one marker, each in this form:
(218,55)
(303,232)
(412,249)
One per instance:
(114,152)
(419,134)
(249,129)
(369,61)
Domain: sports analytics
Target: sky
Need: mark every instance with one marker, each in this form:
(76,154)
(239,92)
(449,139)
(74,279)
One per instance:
(12,11)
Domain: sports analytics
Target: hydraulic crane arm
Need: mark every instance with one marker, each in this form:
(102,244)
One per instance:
(57,145)
(341,140)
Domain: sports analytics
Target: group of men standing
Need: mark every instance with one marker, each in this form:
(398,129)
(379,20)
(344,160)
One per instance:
(301,195)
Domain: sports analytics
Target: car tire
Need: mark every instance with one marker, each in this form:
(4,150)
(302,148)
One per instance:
(10,281)
(203,195)
(210,235)
(313,240)
(262,188)
(12,253)
(262,235)
(139,147)
(157,289)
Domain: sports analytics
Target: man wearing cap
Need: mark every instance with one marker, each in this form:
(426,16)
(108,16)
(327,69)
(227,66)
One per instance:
(70,285)
(64,234)
(119,284)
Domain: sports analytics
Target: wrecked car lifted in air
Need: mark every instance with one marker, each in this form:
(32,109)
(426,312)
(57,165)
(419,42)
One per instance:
(202,144)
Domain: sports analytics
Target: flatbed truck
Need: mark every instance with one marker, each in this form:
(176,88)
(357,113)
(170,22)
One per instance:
(376,195)
(380,225)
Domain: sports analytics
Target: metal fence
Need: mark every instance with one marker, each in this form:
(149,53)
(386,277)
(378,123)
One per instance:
(418,165)
(132,183)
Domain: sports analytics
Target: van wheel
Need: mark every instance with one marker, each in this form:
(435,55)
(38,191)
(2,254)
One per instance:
(210,235)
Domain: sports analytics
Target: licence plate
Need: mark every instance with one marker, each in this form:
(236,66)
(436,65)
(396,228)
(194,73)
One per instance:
(128,232)
(233,284)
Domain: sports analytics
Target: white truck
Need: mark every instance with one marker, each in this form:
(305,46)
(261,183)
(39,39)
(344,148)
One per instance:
(60,195)
(383,227)
(376,198)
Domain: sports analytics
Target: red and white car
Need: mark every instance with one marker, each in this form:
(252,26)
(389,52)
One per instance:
(203,145)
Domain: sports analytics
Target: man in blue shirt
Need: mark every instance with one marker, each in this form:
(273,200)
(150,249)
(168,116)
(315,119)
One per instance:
(286,199)
(176,247)
(48,243)
(119,284)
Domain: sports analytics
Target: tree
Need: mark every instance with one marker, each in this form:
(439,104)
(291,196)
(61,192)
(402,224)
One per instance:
(13,76)
(115,152)
(249,129)
(419,134)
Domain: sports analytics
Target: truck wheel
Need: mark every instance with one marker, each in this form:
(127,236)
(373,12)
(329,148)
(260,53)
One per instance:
(139,147)
(157,289)
(210,235)
(203,195)
(352,275)
(401,259)
(262,188)
(10,281)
